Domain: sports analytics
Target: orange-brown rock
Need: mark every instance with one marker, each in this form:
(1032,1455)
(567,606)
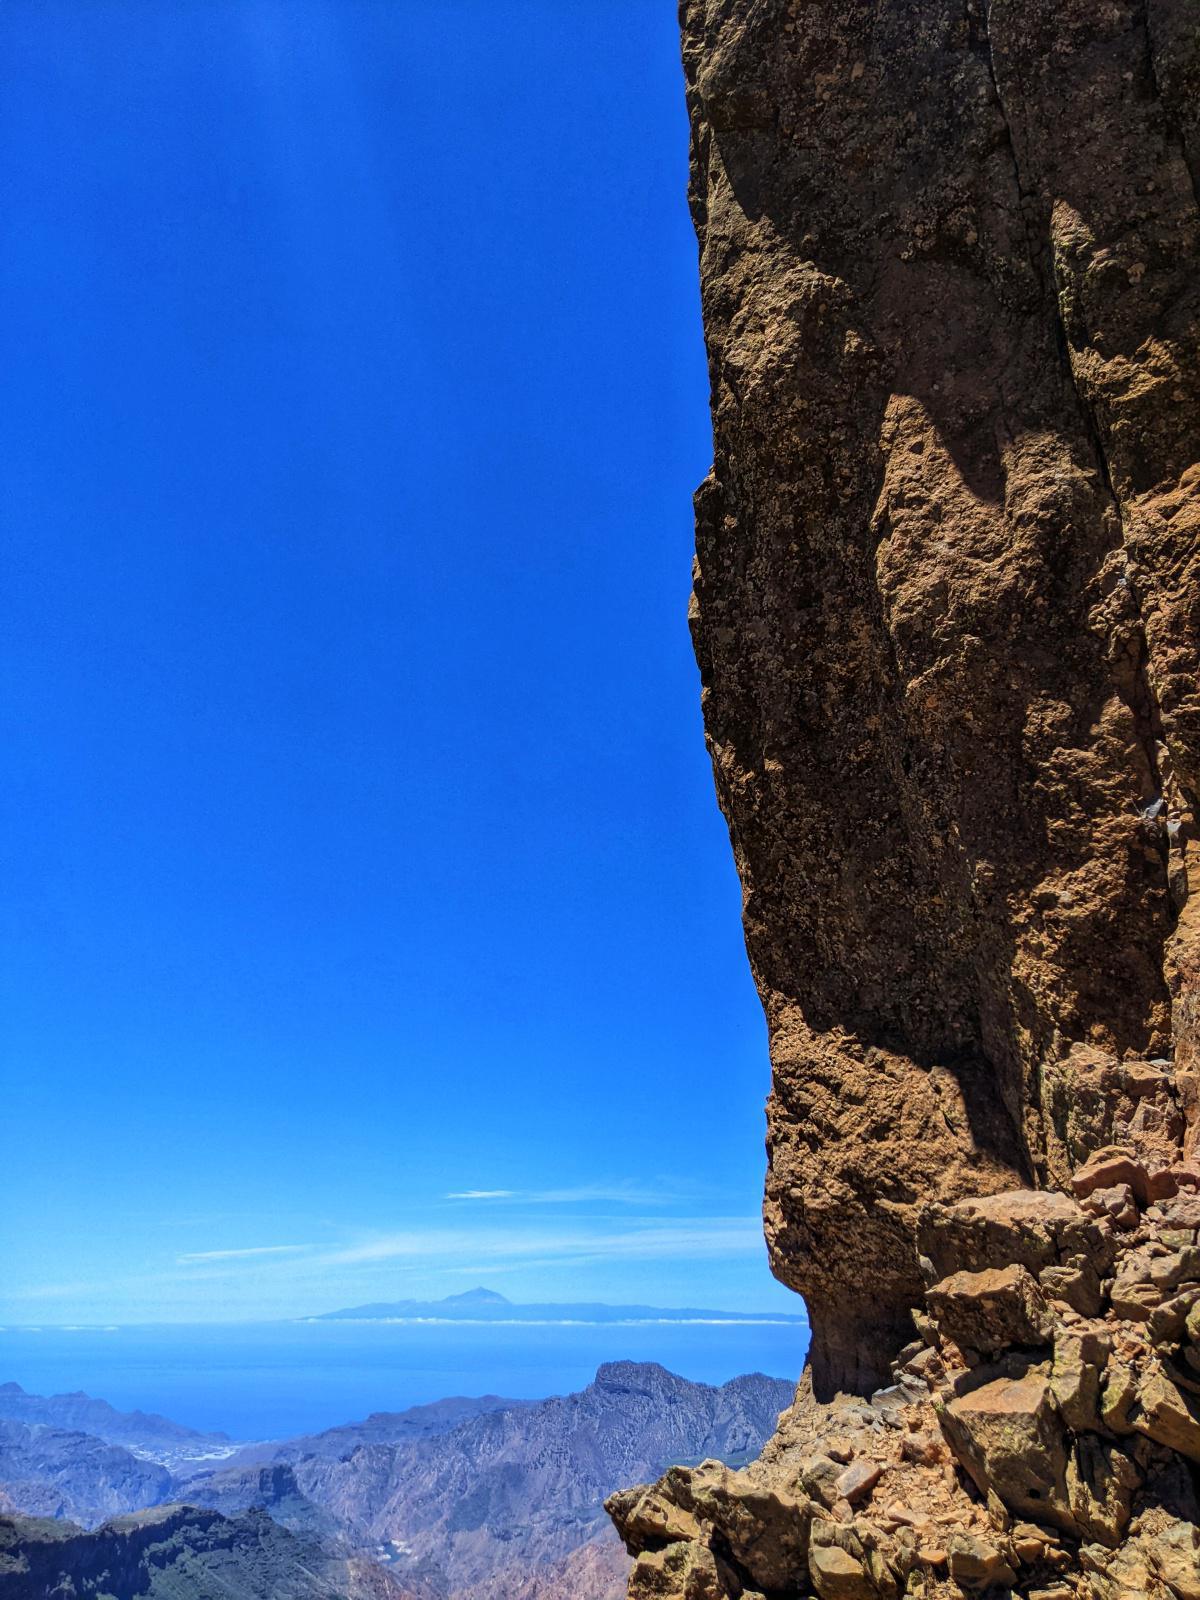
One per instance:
(947,600)
(947,615)
(1065,1468)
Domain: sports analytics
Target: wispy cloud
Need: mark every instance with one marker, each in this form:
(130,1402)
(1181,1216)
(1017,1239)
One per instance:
(292,1279)
(644,1238)
(623,1192)
(241,1255)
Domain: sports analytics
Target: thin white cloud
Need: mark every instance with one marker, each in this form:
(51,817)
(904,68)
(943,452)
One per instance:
(642,1239)
(241,1255)
(481,1194)
(621,1193)
(290,1279)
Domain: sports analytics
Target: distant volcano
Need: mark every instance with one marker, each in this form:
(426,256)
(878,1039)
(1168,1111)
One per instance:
(485,1305)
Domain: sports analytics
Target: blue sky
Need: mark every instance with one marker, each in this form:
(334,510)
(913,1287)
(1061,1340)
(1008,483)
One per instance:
(371,928)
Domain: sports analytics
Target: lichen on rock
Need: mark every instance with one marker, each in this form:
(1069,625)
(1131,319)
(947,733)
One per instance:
(947,613)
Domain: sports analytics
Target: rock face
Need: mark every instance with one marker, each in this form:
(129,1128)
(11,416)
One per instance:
(947,615)
(947,599)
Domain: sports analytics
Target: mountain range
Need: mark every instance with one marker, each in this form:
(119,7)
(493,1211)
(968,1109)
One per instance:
(485,1305)
(485,1498)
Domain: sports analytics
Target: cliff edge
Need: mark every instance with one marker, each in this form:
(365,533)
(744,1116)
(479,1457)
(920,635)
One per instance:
(946,610)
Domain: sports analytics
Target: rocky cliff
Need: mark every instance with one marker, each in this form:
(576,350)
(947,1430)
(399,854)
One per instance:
(946,610)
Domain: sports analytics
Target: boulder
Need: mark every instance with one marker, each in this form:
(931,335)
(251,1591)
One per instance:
(991,1310)
(1009,1437)
(645,1518)
(1118,1397)
(1110,1168)
(1080,1355)
(1101,1482)
(1116,1203)
(1077,1285)
(682,1571)
(1164,1413)
(765,1530)
(976,1563)
(858,1480)
(838,1575)
(1173,1319)
(818,1476)
(1181,1266)
(1174,1555)
(1035,1228)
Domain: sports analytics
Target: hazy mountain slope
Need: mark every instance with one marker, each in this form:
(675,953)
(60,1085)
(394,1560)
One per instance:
(50,1472)
(396,1427)
(498,1500)
(510,1492)
(179,1553)
(136,1430)
(270,1488)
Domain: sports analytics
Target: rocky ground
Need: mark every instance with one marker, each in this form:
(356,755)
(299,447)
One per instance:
(1040,1438)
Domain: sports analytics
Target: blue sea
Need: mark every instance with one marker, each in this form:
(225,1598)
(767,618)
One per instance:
(270,1380)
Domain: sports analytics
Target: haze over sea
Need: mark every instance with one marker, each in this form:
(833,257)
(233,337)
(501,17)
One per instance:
(260,1380)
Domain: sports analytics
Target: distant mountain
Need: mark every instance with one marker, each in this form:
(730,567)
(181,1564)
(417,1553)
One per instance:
(476,1297)
(273,1489)
(395,1427)
(50,1472)
(180,1553)
(143,1431)
(484,1305)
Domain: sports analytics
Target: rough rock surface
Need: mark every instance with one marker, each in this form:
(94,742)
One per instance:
(947,615)
(947,598)
(1060,1463)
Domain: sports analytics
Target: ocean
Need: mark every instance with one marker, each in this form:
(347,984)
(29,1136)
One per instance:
(271,1380)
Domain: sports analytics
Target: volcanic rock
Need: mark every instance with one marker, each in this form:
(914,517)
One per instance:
(991,1310)
(947,615)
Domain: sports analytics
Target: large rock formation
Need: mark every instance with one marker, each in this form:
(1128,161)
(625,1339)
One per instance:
(947,610)
(947,597)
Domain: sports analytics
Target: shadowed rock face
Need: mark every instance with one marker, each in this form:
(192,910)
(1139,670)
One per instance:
(947,600)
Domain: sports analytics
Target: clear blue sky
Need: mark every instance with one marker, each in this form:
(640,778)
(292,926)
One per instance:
(360,841)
